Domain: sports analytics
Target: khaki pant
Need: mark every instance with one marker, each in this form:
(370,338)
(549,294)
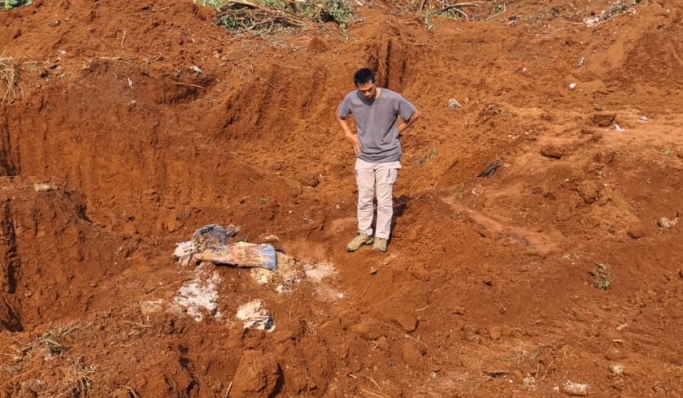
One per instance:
(376,179)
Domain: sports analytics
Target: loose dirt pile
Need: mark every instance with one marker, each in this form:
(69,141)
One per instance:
(126,126)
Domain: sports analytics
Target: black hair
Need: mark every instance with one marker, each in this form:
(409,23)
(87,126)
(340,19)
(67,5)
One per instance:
(363,76)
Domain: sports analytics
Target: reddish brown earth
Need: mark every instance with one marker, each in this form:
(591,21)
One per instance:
(113,150)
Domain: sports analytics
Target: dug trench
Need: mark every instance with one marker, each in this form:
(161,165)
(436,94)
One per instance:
(110,158)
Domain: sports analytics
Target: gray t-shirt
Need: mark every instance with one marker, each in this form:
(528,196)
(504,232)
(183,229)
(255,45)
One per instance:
(377,123)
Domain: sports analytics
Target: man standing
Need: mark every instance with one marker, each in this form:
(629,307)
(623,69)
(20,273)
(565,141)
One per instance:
(376,142)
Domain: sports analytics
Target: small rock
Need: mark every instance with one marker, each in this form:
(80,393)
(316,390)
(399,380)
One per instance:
(43,187)
(636,232)
(411,354)
(552,151)
(588,190)
(458,310)
(664,223)
(373,270)
(572,86)
(453,104)
(604,119)
(529,381)
(616,368)
(495,332)
(575,389)
(406,320)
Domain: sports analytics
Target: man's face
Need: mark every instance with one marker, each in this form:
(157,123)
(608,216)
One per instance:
(369,90)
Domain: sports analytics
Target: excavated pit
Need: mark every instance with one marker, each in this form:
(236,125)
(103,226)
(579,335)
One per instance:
(138,123)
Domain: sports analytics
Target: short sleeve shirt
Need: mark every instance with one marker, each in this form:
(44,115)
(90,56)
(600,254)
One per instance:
(377,123)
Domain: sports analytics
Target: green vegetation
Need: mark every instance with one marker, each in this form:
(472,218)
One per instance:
(11,4)
(330,11)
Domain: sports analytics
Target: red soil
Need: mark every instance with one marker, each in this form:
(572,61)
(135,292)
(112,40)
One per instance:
(489,285)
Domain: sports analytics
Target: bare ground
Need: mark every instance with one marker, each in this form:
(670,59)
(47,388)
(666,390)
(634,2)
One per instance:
(555,276)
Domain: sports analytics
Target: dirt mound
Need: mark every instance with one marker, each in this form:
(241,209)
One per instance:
(128,126)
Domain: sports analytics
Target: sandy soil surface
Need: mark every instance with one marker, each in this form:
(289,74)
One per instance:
(130,125)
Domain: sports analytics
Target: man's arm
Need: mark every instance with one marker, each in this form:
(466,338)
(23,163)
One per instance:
(347,132)
(407,123)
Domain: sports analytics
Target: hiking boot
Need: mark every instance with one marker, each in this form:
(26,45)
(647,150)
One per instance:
(380,245)
(361,239)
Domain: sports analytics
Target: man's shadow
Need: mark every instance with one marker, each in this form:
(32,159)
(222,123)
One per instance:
(400,205)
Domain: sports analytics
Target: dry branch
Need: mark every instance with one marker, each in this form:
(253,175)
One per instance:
(248,16)
(457,8)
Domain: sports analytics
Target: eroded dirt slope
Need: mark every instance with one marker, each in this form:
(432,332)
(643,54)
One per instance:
(133,124)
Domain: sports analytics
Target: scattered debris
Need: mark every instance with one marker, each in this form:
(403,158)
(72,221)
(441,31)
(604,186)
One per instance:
(184,252)
(199,295)
(241,254)
(212,236)
(255,317)
(319,271)
(209,244)
(319,274)
(288,273)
